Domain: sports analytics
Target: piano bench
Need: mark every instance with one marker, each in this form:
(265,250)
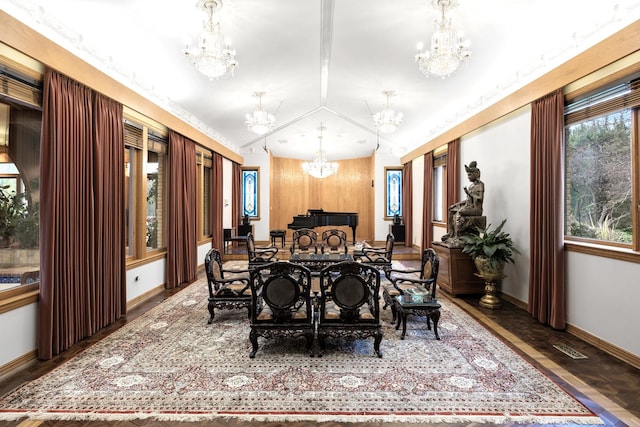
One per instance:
(277,234)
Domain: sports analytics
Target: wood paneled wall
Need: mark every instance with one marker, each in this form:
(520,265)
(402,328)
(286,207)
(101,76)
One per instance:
(349,190)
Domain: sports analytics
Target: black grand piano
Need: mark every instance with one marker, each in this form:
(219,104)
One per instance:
(320,218)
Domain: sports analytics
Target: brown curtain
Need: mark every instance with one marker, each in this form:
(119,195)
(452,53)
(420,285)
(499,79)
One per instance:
(236,194)
(182,224)
(407,197)
(546,270)
(453,178)
(427,203)
(82,276)
(216,202)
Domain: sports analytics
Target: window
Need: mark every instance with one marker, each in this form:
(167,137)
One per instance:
(392,192)
(599,166)
(204,189)
(130,165)
(156,191)
(145,189)
(19,194)
(250,192)
(439,188)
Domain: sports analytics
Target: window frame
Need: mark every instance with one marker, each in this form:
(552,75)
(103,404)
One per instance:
(204,163)
(390,172)
(440,161)
(245,173)
(610,249)
(141,147)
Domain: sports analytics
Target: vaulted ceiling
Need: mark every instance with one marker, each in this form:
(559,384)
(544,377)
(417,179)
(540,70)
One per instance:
(324,61)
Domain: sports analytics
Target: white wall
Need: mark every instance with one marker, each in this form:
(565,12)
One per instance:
(227,191)
(261,160)
(417,174)
(145,278)
(503,155)
(602,299)
(19,332)
(382,160)
(601,293)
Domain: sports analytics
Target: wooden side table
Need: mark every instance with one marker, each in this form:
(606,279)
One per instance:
(406,304)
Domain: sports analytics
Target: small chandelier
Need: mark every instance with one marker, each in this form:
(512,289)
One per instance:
(213,56)
(320,167)
(387,120)
(448,48)
(260,121)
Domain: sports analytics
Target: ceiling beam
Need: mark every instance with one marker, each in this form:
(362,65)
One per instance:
(326,36)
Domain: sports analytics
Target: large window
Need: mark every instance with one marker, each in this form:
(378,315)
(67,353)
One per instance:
(392,192)
(440,188)
(600,133)
(156,193)
(205,164)
(145,189)
(19,195)
(20,128)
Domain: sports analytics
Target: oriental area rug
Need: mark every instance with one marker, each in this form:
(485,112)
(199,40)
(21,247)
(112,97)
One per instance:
(169,364)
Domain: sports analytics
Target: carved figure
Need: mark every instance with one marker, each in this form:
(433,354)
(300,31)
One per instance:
(465,215)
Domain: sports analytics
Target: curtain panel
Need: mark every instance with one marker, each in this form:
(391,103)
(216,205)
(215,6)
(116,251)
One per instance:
(82,276)
(217,203)
(453,177)
(427,203)
(546,270)
(407,198)
(182,224)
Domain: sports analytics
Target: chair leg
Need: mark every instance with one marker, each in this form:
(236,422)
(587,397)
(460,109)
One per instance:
(253,337)
(376,342)
(309,337)
(321,344)
(211,312)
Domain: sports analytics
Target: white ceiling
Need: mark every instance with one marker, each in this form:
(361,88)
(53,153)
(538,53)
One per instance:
(369,48)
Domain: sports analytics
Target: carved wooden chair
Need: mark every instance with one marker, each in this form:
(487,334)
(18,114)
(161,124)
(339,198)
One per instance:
(412,281)
(259,255)
(228,289)
(304,240)
(379,257)
(349,304)
(334,241)
(281,303)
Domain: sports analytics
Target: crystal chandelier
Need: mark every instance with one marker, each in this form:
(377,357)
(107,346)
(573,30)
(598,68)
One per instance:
(260,121)
(320,167)
(387,120)
(448,48)
(213,56)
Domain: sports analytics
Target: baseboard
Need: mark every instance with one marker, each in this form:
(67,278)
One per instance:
(18,364)
(145,296)
(605,346)
(585,336)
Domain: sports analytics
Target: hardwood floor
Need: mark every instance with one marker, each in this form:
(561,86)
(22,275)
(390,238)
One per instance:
(606,385)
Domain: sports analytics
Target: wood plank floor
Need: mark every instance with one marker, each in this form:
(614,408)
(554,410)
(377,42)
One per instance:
(606,385)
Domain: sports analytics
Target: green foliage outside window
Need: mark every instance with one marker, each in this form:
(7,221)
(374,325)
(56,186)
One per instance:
(599,178)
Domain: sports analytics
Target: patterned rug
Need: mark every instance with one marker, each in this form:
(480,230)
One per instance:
(169,364)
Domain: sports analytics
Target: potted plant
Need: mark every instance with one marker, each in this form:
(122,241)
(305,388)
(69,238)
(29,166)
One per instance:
(490,250)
